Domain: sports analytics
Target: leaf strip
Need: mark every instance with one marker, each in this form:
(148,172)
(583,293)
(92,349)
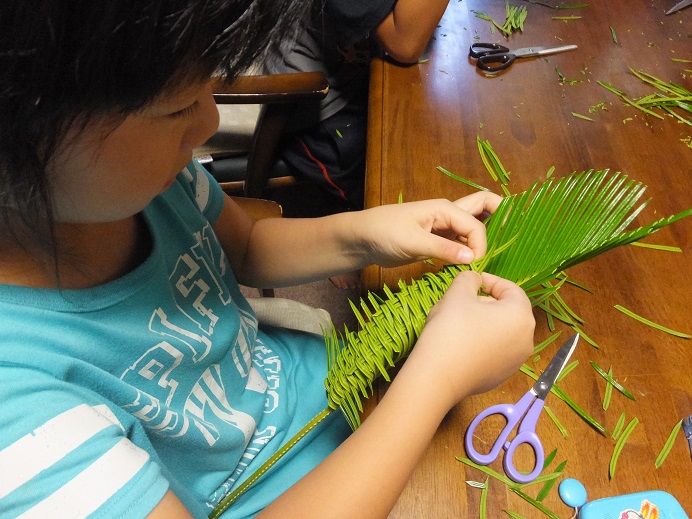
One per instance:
(668,446)
(549,484)
(460,179)
(651,323)
(483,509)
(608,393)
(540,506)
(620,444)
(618,427)
(612,381)
(557,423)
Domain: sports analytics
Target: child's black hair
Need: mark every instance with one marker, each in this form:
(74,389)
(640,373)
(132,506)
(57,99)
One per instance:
(65,61)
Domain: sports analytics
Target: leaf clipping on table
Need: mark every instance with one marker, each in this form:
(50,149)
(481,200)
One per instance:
(514,515)
(668,446)
(515,16)
(557,422)
(487,471)
(618,426)
(669,96)
(463,180)
(540,506)
(580,116)
(609,378)
(651,323)
(556,6)
(619,445)
(483,507)
(532,238)
(608,393)
(547,487)
(613,35)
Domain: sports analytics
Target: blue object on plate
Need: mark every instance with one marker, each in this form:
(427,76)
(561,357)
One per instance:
(572,493)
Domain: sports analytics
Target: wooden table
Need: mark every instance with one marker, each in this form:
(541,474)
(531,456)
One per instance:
(430,115)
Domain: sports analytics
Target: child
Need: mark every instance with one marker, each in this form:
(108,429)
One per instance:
(134,381)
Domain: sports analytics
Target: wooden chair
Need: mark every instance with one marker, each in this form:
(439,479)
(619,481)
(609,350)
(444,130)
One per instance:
(243,157)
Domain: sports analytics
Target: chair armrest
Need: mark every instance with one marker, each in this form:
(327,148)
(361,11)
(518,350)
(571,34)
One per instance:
(258,208)
(272,88)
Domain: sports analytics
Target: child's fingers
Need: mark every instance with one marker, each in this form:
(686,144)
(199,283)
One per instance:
(464,225)
(503,289)
(478,203)
(466,282)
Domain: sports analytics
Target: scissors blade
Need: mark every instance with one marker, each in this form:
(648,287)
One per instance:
(540,51)
(545,382)
(678,6)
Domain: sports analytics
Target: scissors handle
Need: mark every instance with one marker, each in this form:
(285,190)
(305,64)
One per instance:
(487,62)
(512,414)
(526,410)
(483,49)
(526,436)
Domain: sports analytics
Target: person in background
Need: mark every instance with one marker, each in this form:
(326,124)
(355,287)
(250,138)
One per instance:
(134,378)
(326,141)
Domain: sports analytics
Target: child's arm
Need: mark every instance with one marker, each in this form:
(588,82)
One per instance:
(286,251)
(405,33)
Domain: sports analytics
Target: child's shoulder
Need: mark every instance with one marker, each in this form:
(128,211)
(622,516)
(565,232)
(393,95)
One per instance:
(67,444)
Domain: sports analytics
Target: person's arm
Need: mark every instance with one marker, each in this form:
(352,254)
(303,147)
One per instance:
(170,507)
(406,31)
(286,251)
(470,344)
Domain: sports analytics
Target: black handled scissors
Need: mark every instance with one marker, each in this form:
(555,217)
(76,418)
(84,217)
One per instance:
(487,54)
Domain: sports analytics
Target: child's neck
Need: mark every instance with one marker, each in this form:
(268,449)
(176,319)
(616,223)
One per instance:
(92,254)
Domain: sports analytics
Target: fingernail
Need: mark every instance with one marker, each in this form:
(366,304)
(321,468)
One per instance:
(465,256)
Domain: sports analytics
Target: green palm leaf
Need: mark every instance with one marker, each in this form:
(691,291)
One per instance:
(532,237)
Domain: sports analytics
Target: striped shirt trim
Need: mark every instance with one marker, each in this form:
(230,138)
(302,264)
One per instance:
(90,489)
(51,442)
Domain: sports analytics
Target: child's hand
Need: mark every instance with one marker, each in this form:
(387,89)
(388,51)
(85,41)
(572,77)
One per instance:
(473,342)
(449,231)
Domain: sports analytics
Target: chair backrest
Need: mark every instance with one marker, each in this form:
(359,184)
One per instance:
(277,96)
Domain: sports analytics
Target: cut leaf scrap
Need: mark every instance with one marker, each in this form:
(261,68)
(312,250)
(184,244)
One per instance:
(651,323)
(609,378)
(667,97)
(668,446)
(620,444)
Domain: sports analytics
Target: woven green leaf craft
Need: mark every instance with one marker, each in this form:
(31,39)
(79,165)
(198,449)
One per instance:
(532,238)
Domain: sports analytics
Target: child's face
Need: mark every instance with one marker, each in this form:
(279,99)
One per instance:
(107,174)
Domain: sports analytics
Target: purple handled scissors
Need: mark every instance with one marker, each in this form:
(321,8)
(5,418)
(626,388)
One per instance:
(525,413)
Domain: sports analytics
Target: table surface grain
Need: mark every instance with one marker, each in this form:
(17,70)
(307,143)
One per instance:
(430,114)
